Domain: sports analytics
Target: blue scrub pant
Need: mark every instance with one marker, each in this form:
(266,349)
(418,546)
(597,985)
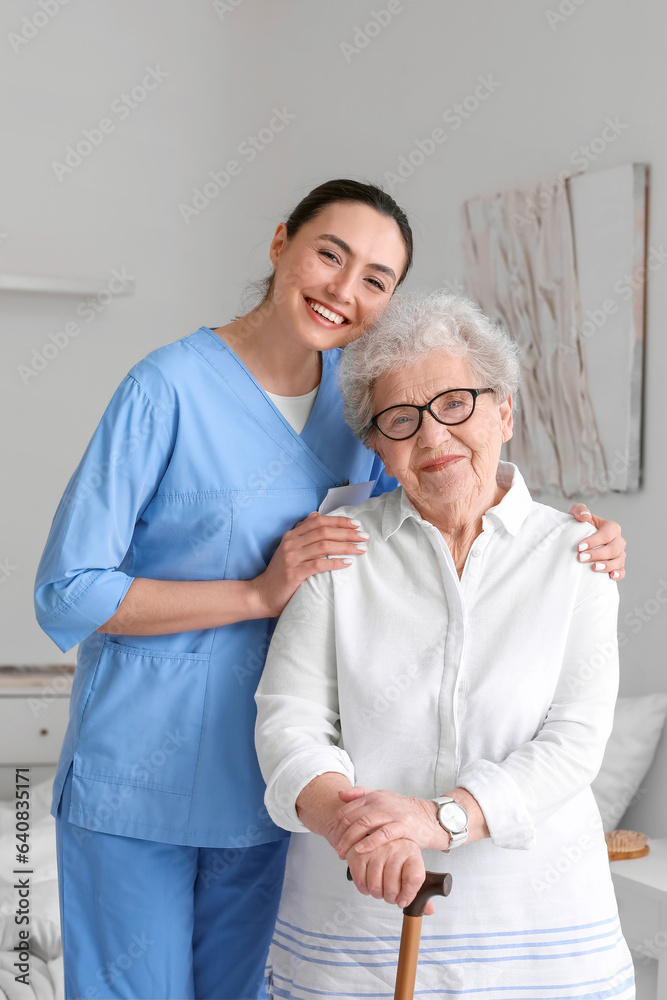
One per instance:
(143,920)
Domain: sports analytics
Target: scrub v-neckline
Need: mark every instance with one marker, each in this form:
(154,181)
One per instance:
(251,394)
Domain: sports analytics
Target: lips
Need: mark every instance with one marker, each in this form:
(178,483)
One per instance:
(442,462)
(326,312)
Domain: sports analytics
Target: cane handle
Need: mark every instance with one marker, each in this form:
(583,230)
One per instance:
(435,884)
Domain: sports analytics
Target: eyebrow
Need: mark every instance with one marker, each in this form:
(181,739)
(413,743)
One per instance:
(346,248)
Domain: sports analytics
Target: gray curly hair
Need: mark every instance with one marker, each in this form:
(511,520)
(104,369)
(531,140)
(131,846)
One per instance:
(410,327)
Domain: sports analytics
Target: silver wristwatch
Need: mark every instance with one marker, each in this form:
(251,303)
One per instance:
(453,818)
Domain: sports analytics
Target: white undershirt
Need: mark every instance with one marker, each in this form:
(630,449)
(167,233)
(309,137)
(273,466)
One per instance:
(295,409)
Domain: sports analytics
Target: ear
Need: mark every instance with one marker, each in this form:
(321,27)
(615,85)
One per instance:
(506,419)
(278,244)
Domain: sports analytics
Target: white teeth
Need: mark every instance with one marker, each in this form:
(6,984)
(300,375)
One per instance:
(323,311)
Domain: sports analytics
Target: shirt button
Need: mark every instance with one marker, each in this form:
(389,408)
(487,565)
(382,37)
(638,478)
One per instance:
(476,552)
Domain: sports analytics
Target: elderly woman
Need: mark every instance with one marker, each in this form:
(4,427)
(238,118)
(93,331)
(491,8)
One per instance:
(452,692)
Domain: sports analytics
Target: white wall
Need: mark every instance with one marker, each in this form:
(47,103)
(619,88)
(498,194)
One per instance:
(356,113)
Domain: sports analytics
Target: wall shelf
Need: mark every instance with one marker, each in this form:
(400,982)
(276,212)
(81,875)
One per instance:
(52,285)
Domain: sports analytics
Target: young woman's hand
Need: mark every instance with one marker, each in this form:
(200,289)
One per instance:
(605,550)
(303,551)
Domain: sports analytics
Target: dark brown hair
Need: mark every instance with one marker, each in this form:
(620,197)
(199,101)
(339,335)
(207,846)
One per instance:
(327,194)
(346,190)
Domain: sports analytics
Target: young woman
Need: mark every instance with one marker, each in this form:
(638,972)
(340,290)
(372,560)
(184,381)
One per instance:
(184,531)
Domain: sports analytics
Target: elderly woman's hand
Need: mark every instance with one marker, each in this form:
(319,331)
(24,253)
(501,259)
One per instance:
(393,872)
(371,818)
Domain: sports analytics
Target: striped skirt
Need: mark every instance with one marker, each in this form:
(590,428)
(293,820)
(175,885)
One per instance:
(518,925)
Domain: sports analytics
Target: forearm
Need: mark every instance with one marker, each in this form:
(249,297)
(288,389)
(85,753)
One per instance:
(161,607)
(318,803)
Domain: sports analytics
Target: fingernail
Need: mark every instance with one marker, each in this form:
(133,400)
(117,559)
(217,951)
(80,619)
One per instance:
(583,546)
(600,565)
(363,534)
(362,548)
(348,562)
(615,575)
(584,557)
(354,521)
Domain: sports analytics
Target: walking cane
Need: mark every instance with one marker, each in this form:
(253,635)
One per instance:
(435,884)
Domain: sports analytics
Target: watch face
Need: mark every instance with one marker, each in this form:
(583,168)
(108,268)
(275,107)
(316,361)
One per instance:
(453,816)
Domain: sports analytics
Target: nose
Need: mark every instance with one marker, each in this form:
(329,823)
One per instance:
(341,286)
(432,432)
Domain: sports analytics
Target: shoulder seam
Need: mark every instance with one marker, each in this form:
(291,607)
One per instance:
(150,400)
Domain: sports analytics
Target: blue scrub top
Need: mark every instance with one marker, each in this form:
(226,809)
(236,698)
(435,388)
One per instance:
(192,474)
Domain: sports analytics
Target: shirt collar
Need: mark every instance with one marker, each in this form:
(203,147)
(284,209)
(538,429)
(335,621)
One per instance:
(517,503)
(511,512)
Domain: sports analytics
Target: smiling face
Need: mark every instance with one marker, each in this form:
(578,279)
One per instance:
(443,466)
(336,274)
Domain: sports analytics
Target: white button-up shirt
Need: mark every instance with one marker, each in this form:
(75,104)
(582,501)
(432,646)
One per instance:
(399,675)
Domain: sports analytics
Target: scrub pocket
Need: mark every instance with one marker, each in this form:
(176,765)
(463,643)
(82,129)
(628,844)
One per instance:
(141,724)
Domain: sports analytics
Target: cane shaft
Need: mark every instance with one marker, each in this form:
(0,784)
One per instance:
(435,884)
(408,957)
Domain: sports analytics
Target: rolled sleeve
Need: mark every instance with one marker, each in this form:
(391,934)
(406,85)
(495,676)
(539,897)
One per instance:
(292,775)
(297,731)
(80,584)
(502,802)
(565,755)
(80,609)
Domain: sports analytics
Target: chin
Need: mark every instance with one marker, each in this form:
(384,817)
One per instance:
(321,339)
(445,487)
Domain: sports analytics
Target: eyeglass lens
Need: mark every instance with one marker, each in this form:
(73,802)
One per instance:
(449,408)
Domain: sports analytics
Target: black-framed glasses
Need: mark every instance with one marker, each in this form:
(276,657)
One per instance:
(452,407)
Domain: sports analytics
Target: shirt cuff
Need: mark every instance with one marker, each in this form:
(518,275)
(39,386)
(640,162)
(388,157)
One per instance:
(502,803)
(293,774)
